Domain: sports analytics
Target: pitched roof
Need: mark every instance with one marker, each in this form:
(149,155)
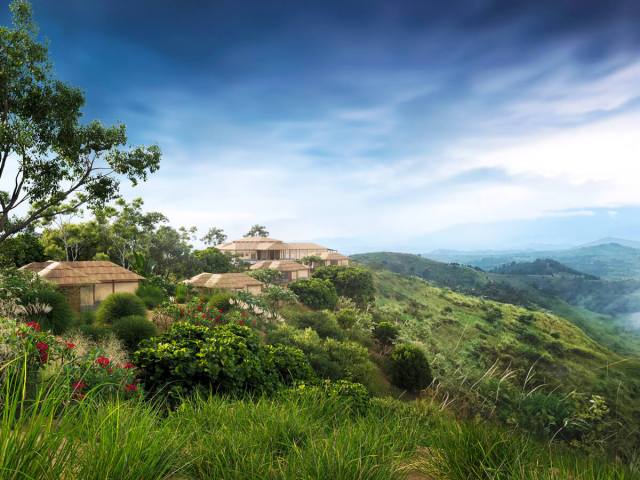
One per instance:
(82,273)
(223,280)
(332,256)
(253,243)
(280,265)
(305,246)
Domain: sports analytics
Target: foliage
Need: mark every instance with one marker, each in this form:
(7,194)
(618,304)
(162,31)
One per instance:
(257,231)
(409,368)
(349,281)
(275,296)
(119,305)
(58,157)
(311,260)
(133,329)
(226,359)
(151,295)
(182,293)
(315,293)
(386,333)
(213,260)
(221,301)
(58,317)
(289,363)
(352,397)
(214,236)
(18,250)
(351,317)
(266,275)
(324,323)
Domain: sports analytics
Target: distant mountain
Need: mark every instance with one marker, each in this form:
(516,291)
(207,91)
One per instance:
(541,266)
(612,261)
(620,241)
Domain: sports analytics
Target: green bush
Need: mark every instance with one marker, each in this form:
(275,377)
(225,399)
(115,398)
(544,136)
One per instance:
(348,396)
(95,332)
(349,281)
(119,305)
(87,317)
(182,293)
(386,333)
(133,329)
(60,318)
(289,363)
(227,359)
(221,301)
(315,293)
(151,295)
(409,368)
(323,322)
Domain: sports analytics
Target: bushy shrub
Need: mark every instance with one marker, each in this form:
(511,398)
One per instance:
(95,332)
(119,305)
(182,293)
(315,293)
(151,295)
(226,359)
(289,363)
(344,395)
(409,368)
(323,322)
(386,333)
(133,329)
(275,296)
(349,281)
(266,275)
(59,318)
(221,301)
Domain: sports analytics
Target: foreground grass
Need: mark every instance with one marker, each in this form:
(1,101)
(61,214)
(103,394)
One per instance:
(289,437)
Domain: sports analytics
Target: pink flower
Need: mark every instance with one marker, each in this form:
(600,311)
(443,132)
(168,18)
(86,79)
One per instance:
(131,387)
(128,366)
(103,361)
(78,386)
(43,350)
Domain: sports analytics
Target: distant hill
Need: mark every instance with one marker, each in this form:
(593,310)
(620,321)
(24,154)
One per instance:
(541,266)
(586,300)
(611,261)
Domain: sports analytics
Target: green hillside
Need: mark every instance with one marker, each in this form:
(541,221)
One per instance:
(608,260)
(467,336)
(590,303)
(541,266)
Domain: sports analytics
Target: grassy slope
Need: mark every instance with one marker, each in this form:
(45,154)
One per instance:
(461,337)
(529,291)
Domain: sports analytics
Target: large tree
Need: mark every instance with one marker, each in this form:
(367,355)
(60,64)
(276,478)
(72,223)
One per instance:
(214,236)
(50,162)
(257,231)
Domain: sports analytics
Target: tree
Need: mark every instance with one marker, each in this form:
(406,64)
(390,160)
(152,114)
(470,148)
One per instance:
(21,249)
(56,164)
(352,282)
(257,231)
(212,260)
(311,261)
(410,368)
(214,236)
(315,293)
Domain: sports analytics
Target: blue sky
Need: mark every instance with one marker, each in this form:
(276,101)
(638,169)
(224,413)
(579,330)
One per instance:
(398,125)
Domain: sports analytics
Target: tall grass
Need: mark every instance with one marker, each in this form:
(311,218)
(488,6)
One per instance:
(44,435)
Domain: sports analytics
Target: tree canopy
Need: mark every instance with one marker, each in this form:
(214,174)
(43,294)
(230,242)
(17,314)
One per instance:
(257,231)
(51,161)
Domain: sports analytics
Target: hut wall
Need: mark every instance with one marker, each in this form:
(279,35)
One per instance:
(255,290)
(73,296)
(86,297)
(127,287)
(103,290)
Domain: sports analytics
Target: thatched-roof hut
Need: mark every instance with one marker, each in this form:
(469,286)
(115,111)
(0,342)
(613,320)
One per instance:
(290,270)
(86,283)
(334,258)
(236,282)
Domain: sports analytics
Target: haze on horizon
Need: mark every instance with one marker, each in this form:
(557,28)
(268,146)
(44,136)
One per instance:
(368,125)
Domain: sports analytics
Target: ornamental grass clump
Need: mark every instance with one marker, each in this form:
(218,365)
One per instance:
(119,305)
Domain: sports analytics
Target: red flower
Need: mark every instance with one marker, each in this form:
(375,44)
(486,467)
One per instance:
(78,386)
(70,345)
(199,308)
(131,387)
(103,361)
(240,322)
(128,366)
(43,351)
(34,325)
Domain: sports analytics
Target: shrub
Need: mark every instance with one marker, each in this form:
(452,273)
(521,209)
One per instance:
(315,293)
(119,305)
(151,295)
(323,322)
(267,275)
(289,363)
(345,395)
(227,359)
(409,368)
(182,293)
(60,318)
(386,333)
(133,329)
(221,301)
(276,296)
(94,331)
(349,281)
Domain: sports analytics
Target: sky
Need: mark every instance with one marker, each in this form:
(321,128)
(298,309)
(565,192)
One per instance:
(365,125)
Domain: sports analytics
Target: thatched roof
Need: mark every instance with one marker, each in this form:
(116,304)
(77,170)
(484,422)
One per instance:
(305,246)
(280,265)
(232,281)
(253,243)
(82,273)
(332,256)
